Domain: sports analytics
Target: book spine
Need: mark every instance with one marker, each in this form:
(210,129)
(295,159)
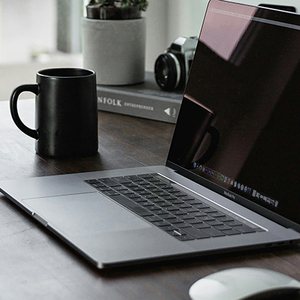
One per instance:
(138,105)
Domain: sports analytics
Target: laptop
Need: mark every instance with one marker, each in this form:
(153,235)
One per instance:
(231,180)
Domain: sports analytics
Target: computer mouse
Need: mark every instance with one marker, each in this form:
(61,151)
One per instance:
(243,283)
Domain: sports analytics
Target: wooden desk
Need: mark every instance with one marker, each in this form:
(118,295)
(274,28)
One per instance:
(34,264)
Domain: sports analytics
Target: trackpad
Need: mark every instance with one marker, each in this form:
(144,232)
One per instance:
(83,214)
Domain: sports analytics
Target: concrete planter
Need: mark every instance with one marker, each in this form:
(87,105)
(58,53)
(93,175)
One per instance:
(115,50)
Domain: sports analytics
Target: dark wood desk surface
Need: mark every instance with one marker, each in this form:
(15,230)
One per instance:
(34,264)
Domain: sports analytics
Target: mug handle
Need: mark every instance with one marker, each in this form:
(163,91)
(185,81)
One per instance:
(215,137)
(34,88)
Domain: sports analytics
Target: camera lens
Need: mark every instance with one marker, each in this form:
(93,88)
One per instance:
(167,71)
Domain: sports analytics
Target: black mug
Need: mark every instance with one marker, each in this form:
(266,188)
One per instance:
(66,115)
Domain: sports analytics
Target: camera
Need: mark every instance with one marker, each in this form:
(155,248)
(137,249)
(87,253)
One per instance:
(172,67)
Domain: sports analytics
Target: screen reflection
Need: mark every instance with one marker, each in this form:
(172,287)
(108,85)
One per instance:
(244,83)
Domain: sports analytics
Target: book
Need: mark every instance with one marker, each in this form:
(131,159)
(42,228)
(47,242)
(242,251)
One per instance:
(144,100)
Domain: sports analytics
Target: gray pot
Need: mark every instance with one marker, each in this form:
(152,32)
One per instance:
(115,50)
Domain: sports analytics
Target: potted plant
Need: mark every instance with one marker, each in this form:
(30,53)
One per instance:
(116,10)
(114,37)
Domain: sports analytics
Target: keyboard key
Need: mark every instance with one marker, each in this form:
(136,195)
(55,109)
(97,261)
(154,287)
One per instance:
(214,223)
(201,206)
(183,206)
(133,196)
(233,223)
(197,214)
(184,238)
(120,188)
(193,221)
(187,217)
(161,223)
(151,197)
(154,180)
(168,228)
(176,222)
(180,194)
(127,192)
(173,220)
(217,215)
(158,200)
(144,193)
(132,177)
(140,200)
(110,193)
(168,216)
(206,218)
(172,190)
(191,210)
(193,201)
(222,227)
(225,219)
(153,208)
(231,232)
(183,225)
(213,232)
(190,199)
(209,210)
(244,229)
(153,219)
(177,201)
(145,176)
(131,185)
(148,205)
(104,189)
(162,213)
(109,182)
(201,225)
(172,208)
(147,185)
(180,213)
(198,234)
(131,205)
(91,181)
(169,198)
(121,180)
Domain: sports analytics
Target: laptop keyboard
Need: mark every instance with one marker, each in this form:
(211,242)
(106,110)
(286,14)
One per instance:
(181,215)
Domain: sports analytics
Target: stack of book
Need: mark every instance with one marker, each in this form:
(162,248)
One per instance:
(145,100)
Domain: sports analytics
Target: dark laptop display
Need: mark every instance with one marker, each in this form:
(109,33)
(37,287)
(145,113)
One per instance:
(242,104)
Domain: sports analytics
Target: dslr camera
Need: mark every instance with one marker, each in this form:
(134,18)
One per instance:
(172,67)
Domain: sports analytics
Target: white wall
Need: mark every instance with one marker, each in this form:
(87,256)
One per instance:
(26,26)
(157,30)
(169,19)
(31,24)
(185,17)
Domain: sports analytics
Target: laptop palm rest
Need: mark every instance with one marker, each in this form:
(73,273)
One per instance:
(84,214)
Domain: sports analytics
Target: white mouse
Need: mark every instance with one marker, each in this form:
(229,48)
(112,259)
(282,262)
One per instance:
(243,283)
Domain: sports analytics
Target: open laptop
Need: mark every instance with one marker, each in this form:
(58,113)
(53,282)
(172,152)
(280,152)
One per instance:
(231,181)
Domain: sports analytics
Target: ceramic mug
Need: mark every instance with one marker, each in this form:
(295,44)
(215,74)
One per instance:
(66,115)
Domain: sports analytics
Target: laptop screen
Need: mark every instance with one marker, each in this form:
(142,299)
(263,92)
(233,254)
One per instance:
(238,131)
